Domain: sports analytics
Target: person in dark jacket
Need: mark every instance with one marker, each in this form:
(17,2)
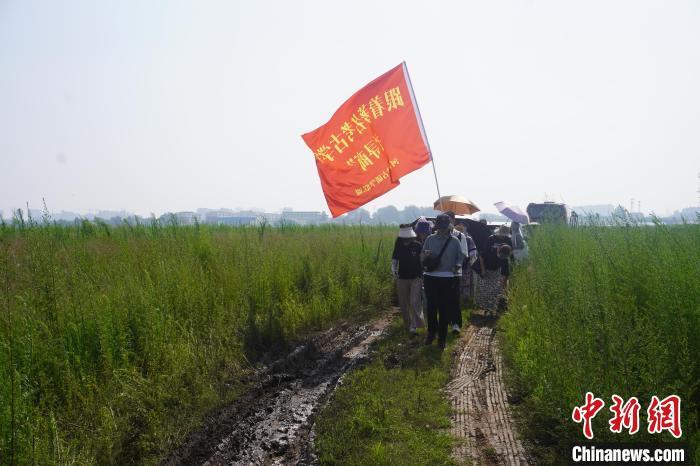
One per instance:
(407,269)
(495,270)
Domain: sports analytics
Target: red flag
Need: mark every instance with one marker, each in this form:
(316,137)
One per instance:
(371,141)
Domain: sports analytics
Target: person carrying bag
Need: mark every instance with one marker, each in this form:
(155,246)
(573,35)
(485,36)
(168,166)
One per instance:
(431,263)
(438,278)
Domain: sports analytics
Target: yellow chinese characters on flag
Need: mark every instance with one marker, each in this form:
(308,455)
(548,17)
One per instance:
(371,141)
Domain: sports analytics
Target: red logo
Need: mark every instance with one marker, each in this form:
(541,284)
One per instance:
(662,415)
(665,415)
(587,412)
(626,415)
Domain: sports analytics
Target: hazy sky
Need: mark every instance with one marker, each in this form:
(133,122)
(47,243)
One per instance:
(154,106)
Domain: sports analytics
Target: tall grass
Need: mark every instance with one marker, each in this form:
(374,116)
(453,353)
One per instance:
(611,310)
(114,341)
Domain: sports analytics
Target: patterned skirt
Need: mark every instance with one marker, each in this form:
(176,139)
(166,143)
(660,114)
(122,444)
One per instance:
(466,290)
(489,290)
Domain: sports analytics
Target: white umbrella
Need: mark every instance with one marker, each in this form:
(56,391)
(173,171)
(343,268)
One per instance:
(513,212)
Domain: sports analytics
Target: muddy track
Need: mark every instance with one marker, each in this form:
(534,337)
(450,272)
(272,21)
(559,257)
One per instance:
(481,421)
(272,423)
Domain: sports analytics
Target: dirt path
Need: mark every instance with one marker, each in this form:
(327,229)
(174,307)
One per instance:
(481,421)
(272,424)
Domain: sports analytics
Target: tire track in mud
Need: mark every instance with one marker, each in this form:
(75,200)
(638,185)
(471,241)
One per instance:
(481,423)
(273,423)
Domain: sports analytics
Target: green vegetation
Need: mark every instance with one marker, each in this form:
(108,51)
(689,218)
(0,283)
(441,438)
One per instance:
(611,310)
(114,342)
(393,410)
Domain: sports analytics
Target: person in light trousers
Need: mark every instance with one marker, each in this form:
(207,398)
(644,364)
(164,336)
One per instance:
(406,267)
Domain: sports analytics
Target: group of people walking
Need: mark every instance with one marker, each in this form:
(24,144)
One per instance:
(434,265)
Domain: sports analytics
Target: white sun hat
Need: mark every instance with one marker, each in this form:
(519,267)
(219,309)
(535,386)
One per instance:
(406,232)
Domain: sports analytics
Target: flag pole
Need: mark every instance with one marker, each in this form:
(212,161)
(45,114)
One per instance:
(422,129)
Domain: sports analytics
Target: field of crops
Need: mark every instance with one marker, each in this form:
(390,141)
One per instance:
(115,341)
(610,310)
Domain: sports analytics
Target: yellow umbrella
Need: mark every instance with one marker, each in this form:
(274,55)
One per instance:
(456,204)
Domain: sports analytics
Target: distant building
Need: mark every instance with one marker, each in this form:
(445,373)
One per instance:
(108,214)
(303,218)
(690,213)
(66,216)
(134,220)
(186,218)
(604,210)
(271,218)
(237,220)
(181,218)
(221,217)
(213,216)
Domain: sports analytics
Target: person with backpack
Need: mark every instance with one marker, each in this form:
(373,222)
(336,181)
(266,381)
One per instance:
(495,269)
(442,262)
